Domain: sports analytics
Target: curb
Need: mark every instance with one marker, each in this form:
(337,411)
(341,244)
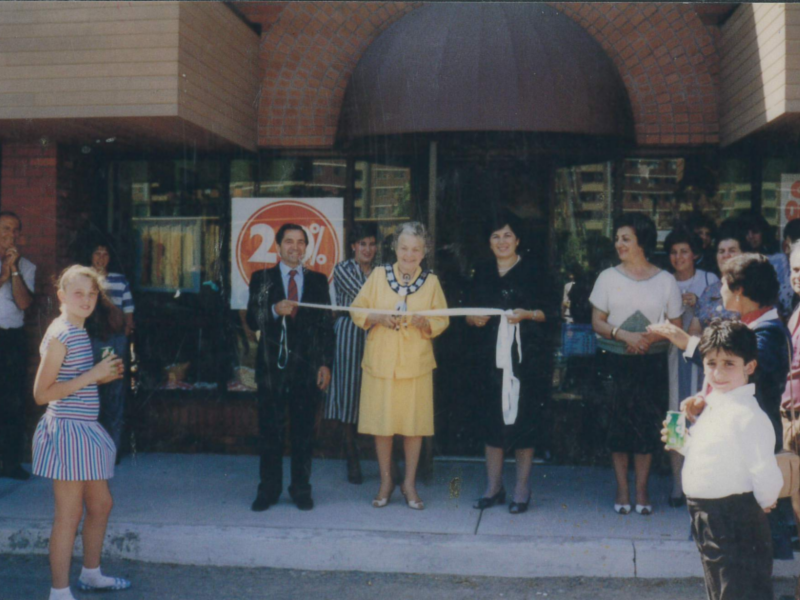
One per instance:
(384,552)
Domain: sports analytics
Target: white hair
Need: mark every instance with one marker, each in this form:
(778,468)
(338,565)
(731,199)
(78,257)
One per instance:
(414,228)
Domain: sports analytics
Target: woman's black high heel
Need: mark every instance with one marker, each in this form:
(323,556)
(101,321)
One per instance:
(517,508)
(498,498)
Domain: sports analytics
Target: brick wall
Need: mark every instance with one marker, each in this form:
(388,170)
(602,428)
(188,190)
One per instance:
(666,56)
(28,186)
(308,52)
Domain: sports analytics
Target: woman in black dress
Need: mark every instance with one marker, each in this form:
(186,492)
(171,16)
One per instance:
(510,283)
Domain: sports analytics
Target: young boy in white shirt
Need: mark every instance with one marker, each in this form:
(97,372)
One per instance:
(730,477)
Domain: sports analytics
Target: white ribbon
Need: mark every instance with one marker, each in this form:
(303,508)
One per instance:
(506,334)
(442,312)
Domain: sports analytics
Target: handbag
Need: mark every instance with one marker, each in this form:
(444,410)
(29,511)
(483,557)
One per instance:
(578,339)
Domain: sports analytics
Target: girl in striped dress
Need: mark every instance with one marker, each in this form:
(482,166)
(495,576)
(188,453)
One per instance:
(69,445)
(342,403)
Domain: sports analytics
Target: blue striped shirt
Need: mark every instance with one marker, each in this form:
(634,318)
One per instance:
(119,291)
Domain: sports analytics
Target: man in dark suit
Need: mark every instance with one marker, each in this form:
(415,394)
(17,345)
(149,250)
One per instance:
(293,363)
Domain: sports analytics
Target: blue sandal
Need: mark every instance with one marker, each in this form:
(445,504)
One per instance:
(118,585)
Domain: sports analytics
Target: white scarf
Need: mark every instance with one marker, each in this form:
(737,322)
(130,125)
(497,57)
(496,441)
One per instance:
(504,359)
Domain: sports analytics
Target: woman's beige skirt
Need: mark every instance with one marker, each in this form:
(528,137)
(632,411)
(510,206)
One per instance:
(396,406)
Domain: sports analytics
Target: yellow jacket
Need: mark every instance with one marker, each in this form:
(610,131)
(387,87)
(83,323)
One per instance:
(406,353)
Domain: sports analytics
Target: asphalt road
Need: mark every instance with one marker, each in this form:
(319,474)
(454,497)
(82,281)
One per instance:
(28,578)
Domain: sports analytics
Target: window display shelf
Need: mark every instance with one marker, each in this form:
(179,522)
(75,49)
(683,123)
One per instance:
(175,253)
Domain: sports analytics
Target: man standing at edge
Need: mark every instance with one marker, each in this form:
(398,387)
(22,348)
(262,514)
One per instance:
(293,361)
(17,275)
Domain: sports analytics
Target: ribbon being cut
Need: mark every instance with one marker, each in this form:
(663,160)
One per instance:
(506,335)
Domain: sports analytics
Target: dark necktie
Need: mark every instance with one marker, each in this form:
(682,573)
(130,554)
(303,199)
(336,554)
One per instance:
(293,290)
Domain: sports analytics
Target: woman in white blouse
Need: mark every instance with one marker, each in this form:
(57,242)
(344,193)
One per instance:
(625,300)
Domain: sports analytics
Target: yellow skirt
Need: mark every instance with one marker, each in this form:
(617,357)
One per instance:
(396,406)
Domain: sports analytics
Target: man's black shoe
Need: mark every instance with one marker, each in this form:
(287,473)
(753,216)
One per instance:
(17,473)
(261,503)
(304,502)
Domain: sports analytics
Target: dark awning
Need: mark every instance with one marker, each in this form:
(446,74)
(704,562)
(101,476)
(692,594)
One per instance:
(485,67)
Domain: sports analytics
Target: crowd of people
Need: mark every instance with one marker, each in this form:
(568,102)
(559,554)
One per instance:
(709,327)
(718,349)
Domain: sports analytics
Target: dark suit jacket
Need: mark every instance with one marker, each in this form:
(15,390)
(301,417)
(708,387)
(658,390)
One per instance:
(310,332)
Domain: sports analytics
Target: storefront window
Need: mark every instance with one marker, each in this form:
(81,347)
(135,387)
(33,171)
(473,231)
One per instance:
(668,190)
(775,170)
(382,194)
(176,208)
(302,177)
(244,178)
(734,195)
(583,217)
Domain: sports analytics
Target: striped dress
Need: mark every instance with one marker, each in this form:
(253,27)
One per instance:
(69,444)
(345,389)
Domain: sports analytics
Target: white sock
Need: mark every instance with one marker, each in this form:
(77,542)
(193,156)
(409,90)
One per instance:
(62,594)
(95,578)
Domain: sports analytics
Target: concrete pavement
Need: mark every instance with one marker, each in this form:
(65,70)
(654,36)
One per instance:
(195,510)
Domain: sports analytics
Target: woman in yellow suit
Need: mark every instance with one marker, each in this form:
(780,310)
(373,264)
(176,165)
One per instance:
(397,383)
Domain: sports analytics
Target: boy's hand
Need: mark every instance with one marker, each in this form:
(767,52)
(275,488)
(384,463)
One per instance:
(693,406)
(664,433)
(769,508)
(665,437)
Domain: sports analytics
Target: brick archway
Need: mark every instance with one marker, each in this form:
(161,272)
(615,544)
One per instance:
(667,58)
(669,62)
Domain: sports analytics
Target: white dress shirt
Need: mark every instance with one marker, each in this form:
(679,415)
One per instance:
(731,450)
(298,279)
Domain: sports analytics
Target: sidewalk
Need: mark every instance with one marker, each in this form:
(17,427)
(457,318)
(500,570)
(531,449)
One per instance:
(195,509)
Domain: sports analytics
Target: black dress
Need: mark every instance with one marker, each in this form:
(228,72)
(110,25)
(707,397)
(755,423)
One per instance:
(521,287)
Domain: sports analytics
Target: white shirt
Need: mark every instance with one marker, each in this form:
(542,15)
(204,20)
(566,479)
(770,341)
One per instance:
(11,317)
(285,278)
(731,450)
(657,298)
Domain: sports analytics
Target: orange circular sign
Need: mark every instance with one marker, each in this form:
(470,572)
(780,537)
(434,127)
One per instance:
(795,189)
(257,247)
(792,210)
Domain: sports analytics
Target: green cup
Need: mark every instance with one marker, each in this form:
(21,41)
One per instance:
(676,429)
